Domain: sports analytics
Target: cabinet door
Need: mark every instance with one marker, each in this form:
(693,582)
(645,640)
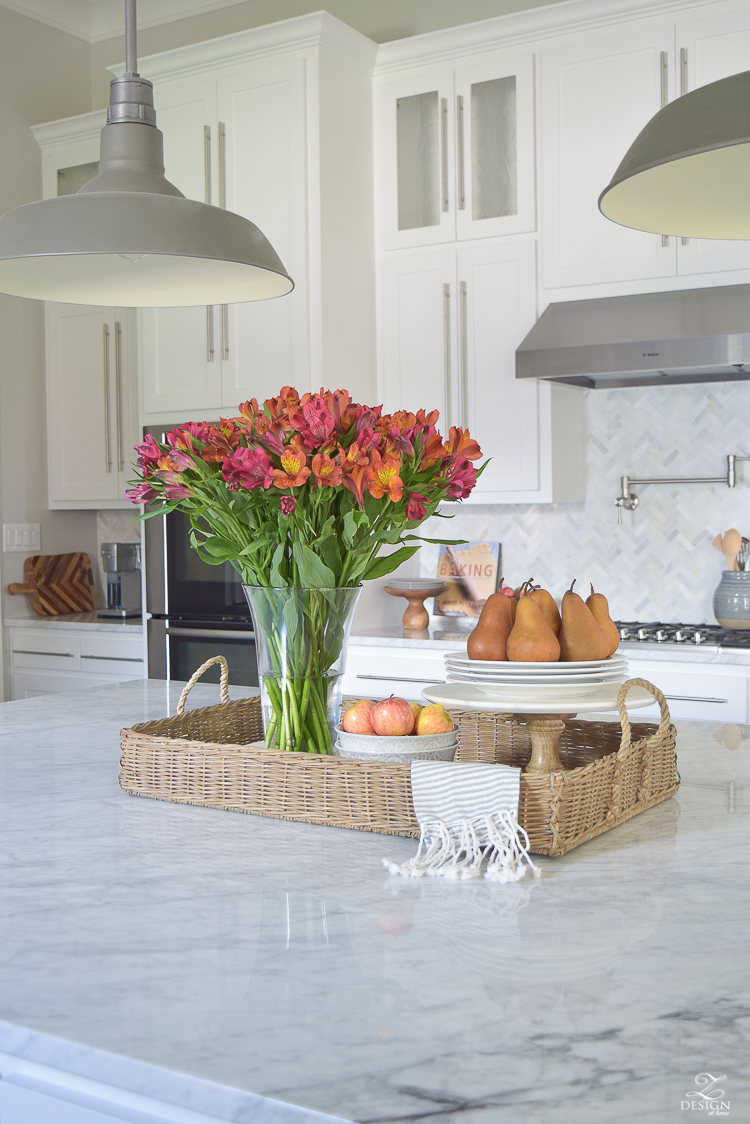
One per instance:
(82,412)
(494,107)
(264,162)
(596,97)
(416,145)
(496,308)
(418,334)
(180,362)
(710,49)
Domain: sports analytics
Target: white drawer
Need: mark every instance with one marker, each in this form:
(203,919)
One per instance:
(713,696)
(34,648)
(378,673)
(117,656)
(27,684)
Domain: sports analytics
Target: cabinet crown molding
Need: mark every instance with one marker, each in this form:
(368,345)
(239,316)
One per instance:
(515,29)
(81,127)
(302,32)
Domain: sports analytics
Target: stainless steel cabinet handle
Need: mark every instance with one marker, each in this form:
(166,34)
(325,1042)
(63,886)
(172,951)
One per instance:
(107,434)
(460,151)
(212,633)
(31,652)
(222,165)
(694,698)
(444,149)
(115,659)
(225,331)
(463,376)
(665,239)
(683,71)
(223,203)
(664,79)
(118,397)
(210,333)
(447,350)
(397,679)
(207,163)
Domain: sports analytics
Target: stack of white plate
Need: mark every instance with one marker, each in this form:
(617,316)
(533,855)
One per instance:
(503,680)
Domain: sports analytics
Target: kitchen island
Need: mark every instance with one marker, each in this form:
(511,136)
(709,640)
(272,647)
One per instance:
(232,967)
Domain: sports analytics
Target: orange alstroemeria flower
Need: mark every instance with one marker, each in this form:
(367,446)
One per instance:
(326,472)
(461,445)
(356,480)
(355,454)
(385,479)
(281,409)
(433,451)
(293,471)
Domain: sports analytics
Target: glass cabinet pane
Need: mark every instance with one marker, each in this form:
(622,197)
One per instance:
(493,149)
(70,179)
(418,157)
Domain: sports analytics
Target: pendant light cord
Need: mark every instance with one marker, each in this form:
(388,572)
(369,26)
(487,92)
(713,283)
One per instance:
(131,42)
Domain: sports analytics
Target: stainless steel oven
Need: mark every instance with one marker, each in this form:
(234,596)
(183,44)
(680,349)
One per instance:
(196,610)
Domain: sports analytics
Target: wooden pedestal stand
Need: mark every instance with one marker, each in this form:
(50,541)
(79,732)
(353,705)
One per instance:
(544,732)
(415,614)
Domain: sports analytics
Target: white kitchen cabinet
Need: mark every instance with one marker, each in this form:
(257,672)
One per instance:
(58,660)
(450,323)
(709,49)
(236,141)
(711,692)
(596,96)
(91,405)
(274,123)
(373,672)
(456,151)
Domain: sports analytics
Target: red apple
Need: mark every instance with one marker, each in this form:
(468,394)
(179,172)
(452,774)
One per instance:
(508,591)
(416,707)
(434,719)
(393,717)
(357,718)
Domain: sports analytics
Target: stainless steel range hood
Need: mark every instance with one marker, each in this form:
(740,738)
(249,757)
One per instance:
(652,339)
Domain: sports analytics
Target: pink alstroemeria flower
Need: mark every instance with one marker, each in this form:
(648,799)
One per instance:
(288,504)
(142,493)
(149,452)
(415,508)
(247,468)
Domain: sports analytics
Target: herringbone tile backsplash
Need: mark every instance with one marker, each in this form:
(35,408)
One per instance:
(659,565)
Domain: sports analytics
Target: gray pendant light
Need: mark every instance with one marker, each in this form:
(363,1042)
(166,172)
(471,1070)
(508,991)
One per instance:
(129,237)
(687,173)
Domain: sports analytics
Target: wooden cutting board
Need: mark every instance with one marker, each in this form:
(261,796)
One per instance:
(58,583)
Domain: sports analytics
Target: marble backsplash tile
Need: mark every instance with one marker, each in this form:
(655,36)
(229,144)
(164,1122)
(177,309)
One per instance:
(659,565)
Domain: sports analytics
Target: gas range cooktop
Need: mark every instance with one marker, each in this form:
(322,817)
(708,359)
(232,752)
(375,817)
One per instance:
(682,635)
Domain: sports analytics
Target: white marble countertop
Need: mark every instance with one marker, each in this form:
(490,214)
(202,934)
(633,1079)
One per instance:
(210,959)
(89,621)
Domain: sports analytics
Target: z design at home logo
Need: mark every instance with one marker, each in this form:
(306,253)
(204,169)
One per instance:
(707,1096)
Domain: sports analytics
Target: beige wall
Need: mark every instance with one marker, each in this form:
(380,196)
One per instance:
(380,20)
(45,75)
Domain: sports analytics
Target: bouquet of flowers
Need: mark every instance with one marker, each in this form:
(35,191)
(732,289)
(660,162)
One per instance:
(301,495)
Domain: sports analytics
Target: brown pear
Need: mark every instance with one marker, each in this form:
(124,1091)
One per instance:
(531,639)
(548,606)
(581,638)
(489,639)
(597,602)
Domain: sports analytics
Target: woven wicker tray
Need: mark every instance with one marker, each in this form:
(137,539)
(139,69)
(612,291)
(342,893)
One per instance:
(610,772)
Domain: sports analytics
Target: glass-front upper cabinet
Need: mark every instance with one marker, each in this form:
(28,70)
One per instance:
(456,151)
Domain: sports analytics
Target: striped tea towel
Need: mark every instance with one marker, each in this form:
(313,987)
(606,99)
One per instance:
(468,812)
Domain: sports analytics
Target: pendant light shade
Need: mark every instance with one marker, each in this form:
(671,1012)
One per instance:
(687,173)
(129,237)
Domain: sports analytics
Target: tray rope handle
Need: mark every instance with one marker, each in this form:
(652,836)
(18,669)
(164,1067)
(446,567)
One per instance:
(223,686)
(625,721)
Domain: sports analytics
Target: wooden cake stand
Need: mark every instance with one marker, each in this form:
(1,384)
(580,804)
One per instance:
(415,614)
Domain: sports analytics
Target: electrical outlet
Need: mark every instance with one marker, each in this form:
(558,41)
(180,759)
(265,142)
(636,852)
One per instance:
(22,538)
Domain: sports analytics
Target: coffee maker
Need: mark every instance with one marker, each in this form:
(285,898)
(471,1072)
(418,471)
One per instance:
(122,565)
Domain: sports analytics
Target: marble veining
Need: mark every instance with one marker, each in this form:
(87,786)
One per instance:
(210,959)
(132,626)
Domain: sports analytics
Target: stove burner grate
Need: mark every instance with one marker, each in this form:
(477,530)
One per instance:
(659,632)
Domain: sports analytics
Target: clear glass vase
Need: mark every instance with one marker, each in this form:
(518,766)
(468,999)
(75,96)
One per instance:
(301,636)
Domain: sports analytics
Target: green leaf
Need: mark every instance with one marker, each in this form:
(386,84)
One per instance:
(277,578)
(313,571)
(379,567)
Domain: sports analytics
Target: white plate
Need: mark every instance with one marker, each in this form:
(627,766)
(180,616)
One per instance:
(546,693)
(558,668)
(416,583)
(564,682)
(464,696)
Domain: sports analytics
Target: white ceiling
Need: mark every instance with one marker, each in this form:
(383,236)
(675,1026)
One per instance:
(94,20)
